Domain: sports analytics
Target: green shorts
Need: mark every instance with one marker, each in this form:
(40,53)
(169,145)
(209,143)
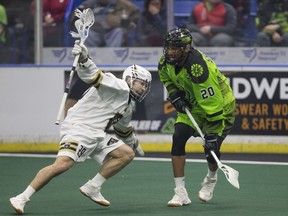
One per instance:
(229,114)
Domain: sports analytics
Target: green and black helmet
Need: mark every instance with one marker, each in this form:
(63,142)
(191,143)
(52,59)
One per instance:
(180,41)
(178,37)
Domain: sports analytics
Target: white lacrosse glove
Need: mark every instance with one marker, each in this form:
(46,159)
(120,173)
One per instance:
(137,148)
(80,49)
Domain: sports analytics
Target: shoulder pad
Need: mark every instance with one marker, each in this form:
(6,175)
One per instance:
(196,67)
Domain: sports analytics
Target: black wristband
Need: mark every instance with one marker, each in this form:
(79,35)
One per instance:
(84,60)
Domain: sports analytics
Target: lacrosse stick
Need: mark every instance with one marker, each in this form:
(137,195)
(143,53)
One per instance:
(230,173)
(85,21)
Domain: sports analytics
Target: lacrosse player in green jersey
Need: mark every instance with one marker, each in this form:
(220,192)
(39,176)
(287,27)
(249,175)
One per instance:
(193,80)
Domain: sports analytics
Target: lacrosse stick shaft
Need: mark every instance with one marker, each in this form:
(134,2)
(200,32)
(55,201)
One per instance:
(216,158)
(194,123)
(230,173)
(66,91)
(85,21)
(200,132)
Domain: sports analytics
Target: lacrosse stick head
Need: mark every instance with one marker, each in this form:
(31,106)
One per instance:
(231,175)
(83,24)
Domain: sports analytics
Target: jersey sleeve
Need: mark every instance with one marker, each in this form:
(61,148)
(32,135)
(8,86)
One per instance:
(90,73)
(94,76)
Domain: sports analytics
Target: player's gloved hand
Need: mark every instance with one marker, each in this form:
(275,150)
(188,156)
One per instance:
(176,98)
(137,148)
(211,142)
(80,49)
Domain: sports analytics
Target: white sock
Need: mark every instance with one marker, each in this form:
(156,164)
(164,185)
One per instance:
(28,192)
(179,181)
(212,174)
(98,180)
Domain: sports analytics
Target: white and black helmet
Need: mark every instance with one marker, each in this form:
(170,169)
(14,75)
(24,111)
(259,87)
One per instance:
(136,72)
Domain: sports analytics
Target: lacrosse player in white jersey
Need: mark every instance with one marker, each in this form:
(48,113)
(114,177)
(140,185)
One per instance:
(84,130)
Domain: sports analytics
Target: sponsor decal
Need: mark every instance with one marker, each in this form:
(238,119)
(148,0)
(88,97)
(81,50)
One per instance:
(59,53)
(121,54)
(262,107)
(146,125)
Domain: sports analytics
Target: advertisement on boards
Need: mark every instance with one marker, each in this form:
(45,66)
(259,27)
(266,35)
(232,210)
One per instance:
(262,102)
(151,55)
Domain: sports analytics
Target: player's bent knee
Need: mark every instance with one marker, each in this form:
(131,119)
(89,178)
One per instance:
(62,164)
(179,140)
(125,153)
(178,150)
(130,155)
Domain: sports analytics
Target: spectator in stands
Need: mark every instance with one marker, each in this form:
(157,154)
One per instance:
(53,21)
(272,23)
(213,23)
(113,19)
(3,24)
(8,53)
(242,10)
(152,24)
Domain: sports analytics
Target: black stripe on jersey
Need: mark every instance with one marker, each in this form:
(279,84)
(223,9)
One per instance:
(68,145)
(196,67)
(113,120)
(170,87)
(123,134)
(216,123)
(214,114)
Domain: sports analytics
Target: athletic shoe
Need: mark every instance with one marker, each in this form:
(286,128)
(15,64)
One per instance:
(18,203)
(180,198)
(206,192)
(94,194)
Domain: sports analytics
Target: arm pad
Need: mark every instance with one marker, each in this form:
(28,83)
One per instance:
(89,73)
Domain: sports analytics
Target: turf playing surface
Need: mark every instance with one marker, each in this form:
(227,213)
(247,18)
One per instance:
(144,188)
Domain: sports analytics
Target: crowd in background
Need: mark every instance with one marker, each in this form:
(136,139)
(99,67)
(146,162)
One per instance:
(142,23)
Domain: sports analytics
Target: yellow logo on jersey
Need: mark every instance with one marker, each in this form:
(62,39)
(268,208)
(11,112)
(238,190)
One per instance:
(197,70)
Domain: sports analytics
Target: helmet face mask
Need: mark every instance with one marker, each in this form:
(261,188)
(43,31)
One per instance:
(139,80)
(178,43)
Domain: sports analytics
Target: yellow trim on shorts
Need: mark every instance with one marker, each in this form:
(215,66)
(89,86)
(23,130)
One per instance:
(72,146)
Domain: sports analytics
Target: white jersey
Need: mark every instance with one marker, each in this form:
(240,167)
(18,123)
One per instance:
(100,108)
(106,103)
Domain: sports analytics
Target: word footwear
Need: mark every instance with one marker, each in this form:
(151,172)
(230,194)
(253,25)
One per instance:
(206,192)
(94,194)
(180,198)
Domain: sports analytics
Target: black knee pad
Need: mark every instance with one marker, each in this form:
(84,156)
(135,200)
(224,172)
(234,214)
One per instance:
(178,150)
(178,146)
(182,133)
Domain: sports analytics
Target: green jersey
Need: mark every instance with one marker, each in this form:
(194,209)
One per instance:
(206,89)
